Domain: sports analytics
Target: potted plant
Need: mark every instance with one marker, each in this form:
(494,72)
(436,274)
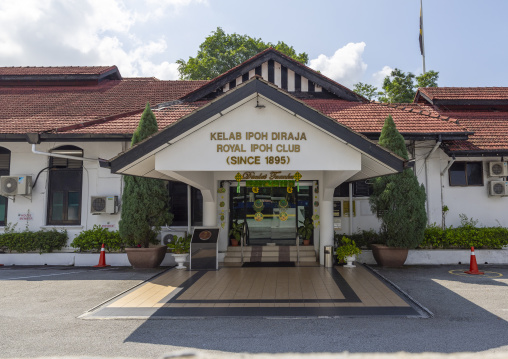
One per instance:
(306,230)
(236,233)
(399,201)
(180,249)
(144,208)
(347,251)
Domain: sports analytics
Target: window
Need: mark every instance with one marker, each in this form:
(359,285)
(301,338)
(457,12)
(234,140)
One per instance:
(360,189)
(5,163)
(65,184)
(466,174)
(178,204)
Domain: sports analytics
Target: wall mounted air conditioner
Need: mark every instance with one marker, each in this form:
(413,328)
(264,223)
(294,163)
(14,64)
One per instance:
(104,204)
(498,169)
(498,188)
(13,185)
(166,235)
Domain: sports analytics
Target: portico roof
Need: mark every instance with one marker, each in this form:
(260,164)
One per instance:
(140,160)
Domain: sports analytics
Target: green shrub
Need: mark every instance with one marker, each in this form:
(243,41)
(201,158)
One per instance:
(362,238)
(93,239)
(28,241)
(465,236)
(347,247)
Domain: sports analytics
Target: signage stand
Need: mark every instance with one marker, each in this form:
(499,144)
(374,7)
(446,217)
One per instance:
(204,249)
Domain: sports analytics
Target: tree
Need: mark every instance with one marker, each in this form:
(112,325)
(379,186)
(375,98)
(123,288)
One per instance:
(428,79)
(144,200)
(221,52)
(399,200)
(370,92)
(399,87)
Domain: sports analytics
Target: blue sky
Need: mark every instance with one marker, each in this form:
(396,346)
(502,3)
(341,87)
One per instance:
(349,41)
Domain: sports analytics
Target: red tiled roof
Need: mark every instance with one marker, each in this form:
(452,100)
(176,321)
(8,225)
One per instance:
(363,118)
(370,117)
(38,109)
(128,124)
(60,70)
(465,93)
(490,131)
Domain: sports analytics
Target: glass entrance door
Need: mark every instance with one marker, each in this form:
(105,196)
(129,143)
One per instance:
(272,214)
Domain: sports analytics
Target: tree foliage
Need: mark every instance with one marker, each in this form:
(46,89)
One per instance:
(398,87)
(144,200)
(220,52)
(399,200)
(370,92)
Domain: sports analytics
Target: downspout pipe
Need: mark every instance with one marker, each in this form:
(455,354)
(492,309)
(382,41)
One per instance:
(49,154)
(448,165)
(436,146)
(441,178)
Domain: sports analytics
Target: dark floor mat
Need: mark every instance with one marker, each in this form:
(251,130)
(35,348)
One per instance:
(268,264)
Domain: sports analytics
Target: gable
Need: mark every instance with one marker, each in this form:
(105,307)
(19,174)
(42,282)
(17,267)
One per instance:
(333,136)
(281,71)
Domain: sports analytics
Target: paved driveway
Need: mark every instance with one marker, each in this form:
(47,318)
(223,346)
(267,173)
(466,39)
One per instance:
(39,309)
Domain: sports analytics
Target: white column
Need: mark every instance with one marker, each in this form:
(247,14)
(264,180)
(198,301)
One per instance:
(209,214)
(326,226)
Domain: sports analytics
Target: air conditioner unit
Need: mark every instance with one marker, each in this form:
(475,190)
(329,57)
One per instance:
(13,185)
(498,169)
(166,235)
(104,204)
(498,188)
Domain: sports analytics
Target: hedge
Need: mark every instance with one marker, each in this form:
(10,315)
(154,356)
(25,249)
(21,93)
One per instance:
(28,241)
(465,237)
(93,239)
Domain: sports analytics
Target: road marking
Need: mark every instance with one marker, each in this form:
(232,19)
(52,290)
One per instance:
(460,272)
(42,275)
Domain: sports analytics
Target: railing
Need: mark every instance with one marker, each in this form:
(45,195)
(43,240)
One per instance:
(245,236)
(297,248)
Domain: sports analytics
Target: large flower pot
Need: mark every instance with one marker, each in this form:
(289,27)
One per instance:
(389,256)
(146,257)
(180,259)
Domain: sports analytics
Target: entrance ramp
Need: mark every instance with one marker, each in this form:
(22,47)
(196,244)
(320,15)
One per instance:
(270,254)
(302,291)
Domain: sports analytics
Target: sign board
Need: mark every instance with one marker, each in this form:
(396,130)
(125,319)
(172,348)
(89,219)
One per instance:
(204,249)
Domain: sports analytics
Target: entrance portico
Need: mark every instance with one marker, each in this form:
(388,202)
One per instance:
(258,129)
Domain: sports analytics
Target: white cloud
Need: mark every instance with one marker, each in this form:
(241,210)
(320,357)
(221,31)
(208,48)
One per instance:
(379,77)
(345,66)
(85,32)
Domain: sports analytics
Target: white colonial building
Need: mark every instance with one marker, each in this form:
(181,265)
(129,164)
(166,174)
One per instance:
(269,143)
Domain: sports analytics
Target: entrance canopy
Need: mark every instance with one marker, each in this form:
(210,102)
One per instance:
(255,127)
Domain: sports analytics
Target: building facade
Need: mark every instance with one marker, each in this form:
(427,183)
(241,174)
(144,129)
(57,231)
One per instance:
(269,143)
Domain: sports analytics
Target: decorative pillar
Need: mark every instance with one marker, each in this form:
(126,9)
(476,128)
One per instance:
(326,232)
(209,214)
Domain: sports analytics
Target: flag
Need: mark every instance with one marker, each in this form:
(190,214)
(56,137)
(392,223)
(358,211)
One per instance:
(421,32)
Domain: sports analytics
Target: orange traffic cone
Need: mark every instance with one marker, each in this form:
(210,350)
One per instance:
(473,267)
(102,258)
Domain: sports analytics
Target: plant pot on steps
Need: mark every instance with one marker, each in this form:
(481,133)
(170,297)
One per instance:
(150,257)
(349,262)
(389,256)
(180,259)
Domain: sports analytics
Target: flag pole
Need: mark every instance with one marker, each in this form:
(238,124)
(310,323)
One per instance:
(422,42)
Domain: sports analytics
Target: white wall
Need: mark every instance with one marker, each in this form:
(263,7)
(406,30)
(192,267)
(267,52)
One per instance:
(96,182)
(473,201)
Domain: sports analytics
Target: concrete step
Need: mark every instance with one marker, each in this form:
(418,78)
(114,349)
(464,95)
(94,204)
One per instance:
(268,259)
(270,254)
(269,248)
